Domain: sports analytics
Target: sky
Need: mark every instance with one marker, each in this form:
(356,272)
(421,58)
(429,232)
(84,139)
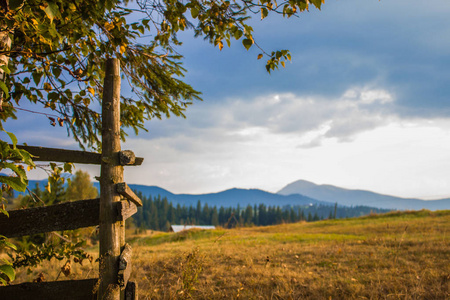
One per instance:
(364,104)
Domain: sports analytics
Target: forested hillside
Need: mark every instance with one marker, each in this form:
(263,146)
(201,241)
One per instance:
(158,213)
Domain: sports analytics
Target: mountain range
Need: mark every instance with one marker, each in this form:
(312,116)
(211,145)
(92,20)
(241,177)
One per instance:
(330,193)
(230,198)
(300,192)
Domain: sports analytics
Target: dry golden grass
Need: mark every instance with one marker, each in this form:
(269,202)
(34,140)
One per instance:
(393,256)
(396,256)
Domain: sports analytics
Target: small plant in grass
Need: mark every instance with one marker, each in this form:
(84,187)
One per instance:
(191,268)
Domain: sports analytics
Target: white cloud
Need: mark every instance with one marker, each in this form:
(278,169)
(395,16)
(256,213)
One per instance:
(312,118)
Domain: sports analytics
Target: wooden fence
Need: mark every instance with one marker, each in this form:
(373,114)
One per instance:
(116,203)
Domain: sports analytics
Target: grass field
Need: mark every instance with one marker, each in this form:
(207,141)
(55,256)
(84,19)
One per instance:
(391,256)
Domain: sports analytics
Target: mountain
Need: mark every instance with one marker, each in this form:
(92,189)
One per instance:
(228,198)
(349,197)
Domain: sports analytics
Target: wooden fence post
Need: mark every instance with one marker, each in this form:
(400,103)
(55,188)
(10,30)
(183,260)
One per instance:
(112,233)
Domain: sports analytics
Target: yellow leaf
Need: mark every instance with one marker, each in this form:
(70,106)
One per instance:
(122,49)
(282,63)
(260,56)
(91,90)
(220,45)
(47,87)
(109,26)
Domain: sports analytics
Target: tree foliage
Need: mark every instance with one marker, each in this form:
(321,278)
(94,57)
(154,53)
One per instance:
(58,51)
(80,187)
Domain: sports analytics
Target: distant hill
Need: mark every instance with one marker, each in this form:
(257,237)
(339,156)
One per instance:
(349,197)
(228,198)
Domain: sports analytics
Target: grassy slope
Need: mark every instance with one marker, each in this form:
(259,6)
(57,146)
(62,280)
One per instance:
(392,256)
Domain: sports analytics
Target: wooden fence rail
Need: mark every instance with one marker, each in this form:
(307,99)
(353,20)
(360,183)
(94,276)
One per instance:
(126,157)
(85,289)
(59,217)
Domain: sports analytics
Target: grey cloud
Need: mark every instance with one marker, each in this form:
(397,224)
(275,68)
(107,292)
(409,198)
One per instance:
(314,118)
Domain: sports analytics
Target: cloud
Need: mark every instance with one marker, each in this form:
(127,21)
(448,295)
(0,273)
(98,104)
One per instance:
(311,118)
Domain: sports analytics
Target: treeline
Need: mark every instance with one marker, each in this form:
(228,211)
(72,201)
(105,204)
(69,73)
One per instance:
(158,214)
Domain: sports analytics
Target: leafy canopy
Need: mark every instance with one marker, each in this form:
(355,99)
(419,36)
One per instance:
(58,50)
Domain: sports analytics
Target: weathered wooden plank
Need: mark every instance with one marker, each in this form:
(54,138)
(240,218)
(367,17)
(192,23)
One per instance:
(62,155)
(123,189)
(53,290)
(74,156)
(131,291)
(138,161)
(125,210)
(124,266)
(65,216)
(59,217)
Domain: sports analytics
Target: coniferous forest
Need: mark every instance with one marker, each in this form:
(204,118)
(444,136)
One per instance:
(158,213)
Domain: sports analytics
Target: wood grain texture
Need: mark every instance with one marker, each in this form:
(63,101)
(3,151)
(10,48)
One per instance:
(112,233)
(59,217)
(131,291)
(123,189)
(125,266)
(73,156)
(53,290)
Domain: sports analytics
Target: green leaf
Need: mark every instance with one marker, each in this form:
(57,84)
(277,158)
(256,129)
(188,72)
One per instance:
(264,12)
(14,182)
(10,245)
(13,138)
(4,89)
(317,3)
(238,34)
(194,12)
(56,71)
(37,77)
(5,69)
(8,271)
(52,11)
(247,43)
(68,167)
